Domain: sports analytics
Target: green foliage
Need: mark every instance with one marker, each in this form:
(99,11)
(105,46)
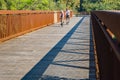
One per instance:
(3,5)
(101,5)
(43,5)
(38,4)
(87,5)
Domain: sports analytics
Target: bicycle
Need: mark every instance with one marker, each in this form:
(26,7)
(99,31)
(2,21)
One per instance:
(61,18)
(67,19)
(61,22)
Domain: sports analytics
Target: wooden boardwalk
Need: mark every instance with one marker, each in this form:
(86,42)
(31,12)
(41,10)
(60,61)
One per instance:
(50,53)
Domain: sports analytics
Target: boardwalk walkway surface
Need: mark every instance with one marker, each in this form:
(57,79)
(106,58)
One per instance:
(50,53)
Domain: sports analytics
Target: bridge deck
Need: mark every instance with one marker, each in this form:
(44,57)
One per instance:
(50,53)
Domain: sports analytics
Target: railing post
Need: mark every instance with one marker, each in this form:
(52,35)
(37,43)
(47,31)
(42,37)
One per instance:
(55,17)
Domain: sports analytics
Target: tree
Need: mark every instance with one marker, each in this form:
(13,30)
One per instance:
(101,5)
(3,4)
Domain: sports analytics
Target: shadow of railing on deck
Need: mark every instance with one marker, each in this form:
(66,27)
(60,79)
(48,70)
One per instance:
(92,72)
(36,72)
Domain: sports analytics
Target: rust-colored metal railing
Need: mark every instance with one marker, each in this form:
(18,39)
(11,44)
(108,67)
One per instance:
(14,23)
(106,31)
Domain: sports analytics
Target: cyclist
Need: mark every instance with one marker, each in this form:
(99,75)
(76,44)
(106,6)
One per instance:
(67,15)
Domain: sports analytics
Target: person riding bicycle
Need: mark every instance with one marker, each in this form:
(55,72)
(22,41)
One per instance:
(67,15)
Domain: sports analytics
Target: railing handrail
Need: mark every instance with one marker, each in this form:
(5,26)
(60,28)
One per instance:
(114,47)
(111,19)
(23,11)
